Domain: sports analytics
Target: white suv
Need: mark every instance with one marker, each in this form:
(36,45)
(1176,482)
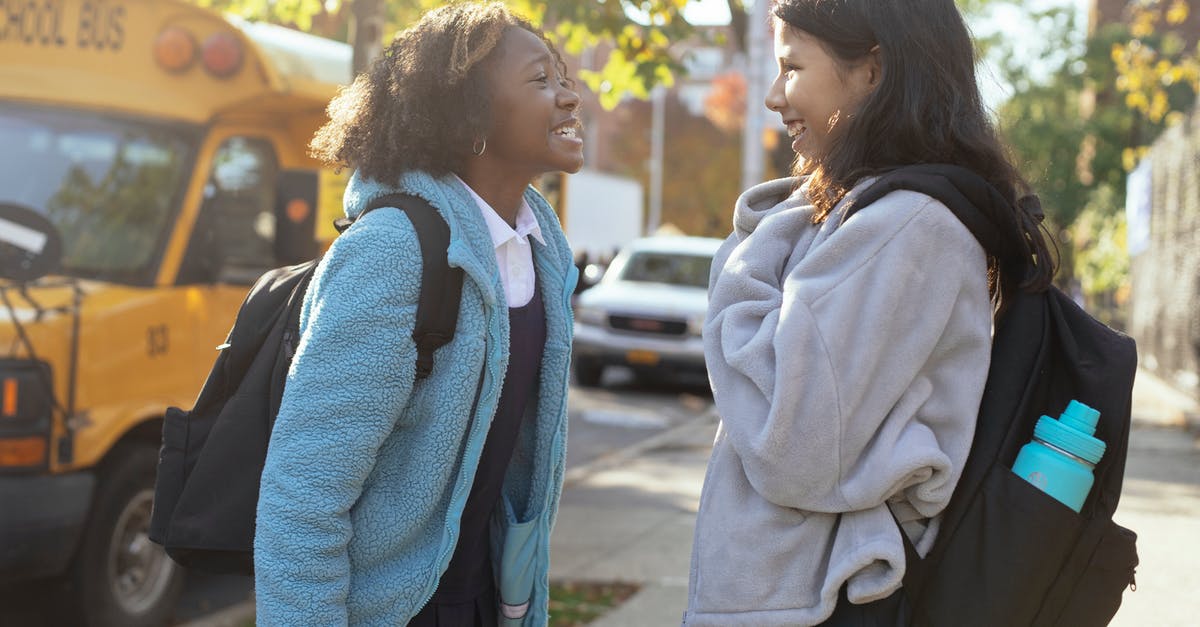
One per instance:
(647,311)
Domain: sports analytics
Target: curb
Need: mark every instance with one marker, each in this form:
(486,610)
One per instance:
(236,615)
(615,457)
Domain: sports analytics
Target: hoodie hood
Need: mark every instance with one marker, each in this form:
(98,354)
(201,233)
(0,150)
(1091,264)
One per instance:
(788,195)
(763,200)
(441,192)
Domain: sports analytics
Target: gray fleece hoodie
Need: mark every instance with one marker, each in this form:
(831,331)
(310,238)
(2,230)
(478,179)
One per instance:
(847,362)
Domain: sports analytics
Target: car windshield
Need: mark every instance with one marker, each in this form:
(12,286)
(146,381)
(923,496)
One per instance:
(109,185)
(669,268)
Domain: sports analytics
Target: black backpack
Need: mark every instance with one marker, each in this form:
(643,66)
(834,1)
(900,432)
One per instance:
(1007,554)
(211,460)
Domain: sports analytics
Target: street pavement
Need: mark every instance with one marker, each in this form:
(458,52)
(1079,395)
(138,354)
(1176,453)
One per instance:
(628,515)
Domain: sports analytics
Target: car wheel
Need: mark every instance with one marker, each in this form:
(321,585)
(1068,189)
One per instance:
(588,372)
(119,576)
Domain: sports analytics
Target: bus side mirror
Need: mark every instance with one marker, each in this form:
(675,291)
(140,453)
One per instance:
(30,245)
(295,216)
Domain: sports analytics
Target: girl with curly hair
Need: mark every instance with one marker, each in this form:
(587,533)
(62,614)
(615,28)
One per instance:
(390,501)
(848,346)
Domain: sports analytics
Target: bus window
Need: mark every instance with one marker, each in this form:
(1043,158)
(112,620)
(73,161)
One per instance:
(234,238)
(109,185)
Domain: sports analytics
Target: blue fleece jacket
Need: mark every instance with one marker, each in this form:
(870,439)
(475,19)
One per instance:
(367,472)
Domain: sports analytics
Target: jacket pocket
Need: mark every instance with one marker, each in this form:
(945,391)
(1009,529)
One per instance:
(518,570)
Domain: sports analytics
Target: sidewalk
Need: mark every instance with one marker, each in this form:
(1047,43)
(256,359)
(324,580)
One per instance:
(629,516)
(631,519)
(1157,403)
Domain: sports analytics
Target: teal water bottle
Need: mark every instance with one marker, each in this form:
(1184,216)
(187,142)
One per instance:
(1060,459)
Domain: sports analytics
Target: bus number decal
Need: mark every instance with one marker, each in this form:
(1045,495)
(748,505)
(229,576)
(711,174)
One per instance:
(157,340)
(100,25)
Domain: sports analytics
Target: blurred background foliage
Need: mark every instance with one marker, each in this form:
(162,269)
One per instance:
(1080,105)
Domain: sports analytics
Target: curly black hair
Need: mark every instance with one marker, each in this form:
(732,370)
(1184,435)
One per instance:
(425,101)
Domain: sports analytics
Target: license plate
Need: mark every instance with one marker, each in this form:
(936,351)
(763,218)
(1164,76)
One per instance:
(642,357)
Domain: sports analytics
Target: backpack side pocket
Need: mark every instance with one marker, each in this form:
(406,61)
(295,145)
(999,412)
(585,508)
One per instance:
(168,483)
(1002,559)
(1099,579)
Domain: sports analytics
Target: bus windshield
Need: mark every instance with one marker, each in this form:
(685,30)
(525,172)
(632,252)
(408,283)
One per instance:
(109,185)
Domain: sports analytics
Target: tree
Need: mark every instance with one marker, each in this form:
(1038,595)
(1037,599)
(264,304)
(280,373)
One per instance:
(725,105)
(698,187)
(639,31)
(367,35)
(1157,66)
(1080,127)
(1067,130)
(1043,122)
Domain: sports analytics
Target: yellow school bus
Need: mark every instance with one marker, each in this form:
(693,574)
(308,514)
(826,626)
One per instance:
(153,155)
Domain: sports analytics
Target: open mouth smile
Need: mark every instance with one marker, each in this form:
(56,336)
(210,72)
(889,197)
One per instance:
(571,129)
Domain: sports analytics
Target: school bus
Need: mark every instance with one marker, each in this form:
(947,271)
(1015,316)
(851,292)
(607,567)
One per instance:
(154,155)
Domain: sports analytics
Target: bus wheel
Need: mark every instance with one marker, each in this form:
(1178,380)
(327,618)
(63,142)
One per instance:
(121,577)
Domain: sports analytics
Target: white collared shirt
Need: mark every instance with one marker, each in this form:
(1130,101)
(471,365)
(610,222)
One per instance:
(514,254)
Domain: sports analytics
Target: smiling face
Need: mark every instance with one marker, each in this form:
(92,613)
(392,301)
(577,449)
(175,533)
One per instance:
(813,92)
(535,126)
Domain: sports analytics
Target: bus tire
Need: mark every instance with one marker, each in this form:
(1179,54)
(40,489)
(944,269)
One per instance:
(119,577)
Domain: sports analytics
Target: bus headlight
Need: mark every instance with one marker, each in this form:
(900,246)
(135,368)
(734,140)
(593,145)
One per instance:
(25,413)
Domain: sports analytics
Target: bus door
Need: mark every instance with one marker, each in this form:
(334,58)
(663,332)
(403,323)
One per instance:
(254,216)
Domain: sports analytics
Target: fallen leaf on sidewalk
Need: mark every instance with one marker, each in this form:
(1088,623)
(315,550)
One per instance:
(577,603)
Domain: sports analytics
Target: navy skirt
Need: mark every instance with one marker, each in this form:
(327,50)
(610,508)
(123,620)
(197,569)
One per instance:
(477,612)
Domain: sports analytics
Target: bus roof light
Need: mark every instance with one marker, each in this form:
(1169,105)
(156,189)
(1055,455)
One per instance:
(175,49)
(222,54)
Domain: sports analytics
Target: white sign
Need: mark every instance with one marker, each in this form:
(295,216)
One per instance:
(1138,204)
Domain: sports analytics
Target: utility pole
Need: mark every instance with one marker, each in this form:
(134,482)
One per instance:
(756,92)
(658,97)
(366,32)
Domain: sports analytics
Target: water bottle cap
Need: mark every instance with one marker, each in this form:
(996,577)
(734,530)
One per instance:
(1080,417)
(1062,436)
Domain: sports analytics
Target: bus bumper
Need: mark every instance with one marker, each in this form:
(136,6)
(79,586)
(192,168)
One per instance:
(41,522)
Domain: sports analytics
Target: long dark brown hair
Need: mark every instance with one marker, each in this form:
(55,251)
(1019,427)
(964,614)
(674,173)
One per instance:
(926,107)
(425,101)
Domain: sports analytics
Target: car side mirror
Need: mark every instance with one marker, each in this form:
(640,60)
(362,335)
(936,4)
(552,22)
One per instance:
(30,245)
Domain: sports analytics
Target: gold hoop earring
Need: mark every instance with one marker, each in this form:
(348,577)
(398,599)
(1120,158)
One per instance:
(477,149)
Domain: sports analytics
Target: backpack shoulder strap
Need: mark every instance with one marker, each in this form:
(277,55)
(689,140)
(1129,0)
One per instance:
(441,285)
(1018,338)
(969,196)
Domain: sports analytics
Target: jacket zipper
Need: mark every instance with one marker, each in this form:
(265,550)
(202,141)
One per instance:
(474,410)
(442,555)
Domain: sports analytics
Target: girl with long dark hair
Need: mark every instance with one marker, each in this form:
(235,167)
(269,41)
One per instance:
(848,355)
